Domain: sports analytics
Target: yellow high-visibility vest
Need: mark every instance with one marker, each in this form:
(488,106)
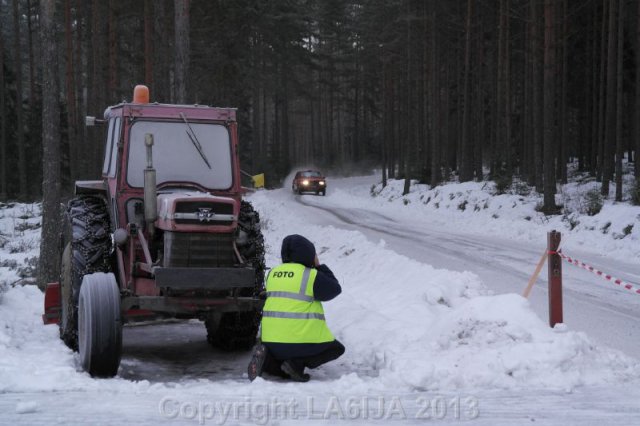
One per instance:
(290,313)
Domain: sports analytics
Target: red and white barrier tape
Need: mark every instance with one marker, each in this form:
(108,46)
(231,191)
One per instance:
(580,264)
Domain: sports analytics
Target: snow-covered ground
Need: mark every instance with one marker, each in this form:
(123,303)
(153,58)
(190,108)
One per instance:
(19,242)
(423,341)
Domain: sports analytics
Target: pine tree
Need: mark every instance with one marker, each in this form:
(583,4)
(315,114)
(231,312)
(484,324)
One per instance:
(48,266)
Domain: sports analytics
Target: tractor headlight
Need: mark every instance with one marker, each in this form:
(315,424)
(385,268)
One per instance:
(305,182)
(321,183)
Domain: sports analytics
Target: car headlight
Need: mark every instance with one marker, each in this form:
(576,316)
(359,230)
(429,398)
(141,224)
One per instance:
(305,182)
(321,183)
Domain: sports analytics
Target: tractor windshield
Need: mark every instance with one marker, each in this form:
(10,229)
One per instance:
(175,158)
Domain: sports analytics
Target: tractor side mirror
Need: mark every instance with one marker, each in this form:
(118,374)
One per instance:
(91,121)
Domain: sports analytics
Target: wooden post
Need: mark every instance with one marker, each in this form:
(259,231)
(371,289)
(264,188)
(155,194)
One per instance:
(555,278)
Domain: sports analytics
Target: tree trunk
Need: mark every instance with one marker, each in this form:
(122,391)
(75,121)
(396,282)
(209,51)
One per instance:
(564,124)
(70,89)
(22,156)
(83,79)
(497,155)
(408,140)
(527,162)
(448,143)
(32,66)
(386,116)
(3,126)
(610,133)
(595,87)
(549,110)
(48,266)
(598,151)
(436,95)
(508,151)
(148,44)
(466,154)
(112,31)
(182,49)
(99,80)
(426,95)
(537,98)
(159,85)
(256,111)
(619,102)
(637,119)
(479,107)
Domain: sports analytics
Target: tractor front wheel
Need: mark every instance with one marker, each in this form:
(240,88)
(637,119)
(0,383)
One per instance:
(99,325)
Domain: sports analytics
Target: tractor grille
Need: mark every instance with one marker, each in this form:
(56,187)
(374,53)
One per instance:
(203,213)
(198,250)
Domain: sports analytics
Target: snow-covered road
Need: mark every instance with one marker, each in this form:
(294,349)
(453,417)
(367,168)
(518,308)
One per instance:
(611,316)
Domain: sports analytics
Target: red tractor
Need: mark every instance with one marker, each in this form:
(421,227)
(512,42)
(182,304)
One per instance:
(164,234)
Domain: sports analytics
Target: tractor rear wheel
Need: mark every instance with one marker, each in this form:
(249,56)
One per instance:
(238,330)
(99,325)
(86,246)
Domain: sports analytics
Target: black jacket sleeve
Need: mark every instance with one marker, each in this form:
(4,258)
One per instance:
(326,286)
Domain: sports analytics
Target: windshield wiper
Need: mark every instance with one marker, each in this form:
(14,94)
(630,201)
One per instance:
(194,140)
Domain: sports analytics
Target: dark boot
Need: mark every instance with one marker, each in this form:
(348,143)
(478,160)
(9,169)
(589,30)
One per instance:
(257,361)
(295,370)
(272,366)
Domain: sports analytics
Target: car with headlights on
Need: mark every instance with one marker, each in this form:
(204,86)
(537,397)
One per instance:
(309,181)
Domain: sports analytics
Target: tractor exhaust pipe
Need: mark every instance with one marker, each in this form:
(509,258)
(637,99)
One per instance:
(150,191)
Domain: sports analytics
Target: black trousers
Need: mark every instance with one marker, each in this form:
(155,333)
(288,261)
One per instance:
(333,351)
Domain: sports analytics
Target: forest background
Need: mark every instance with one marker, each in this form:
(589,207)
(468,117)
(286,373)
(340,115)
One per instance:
(428,90)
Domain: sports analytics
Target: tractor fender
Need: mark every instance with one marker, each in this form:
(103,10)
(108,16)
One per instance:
(97,187)
(52,304)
